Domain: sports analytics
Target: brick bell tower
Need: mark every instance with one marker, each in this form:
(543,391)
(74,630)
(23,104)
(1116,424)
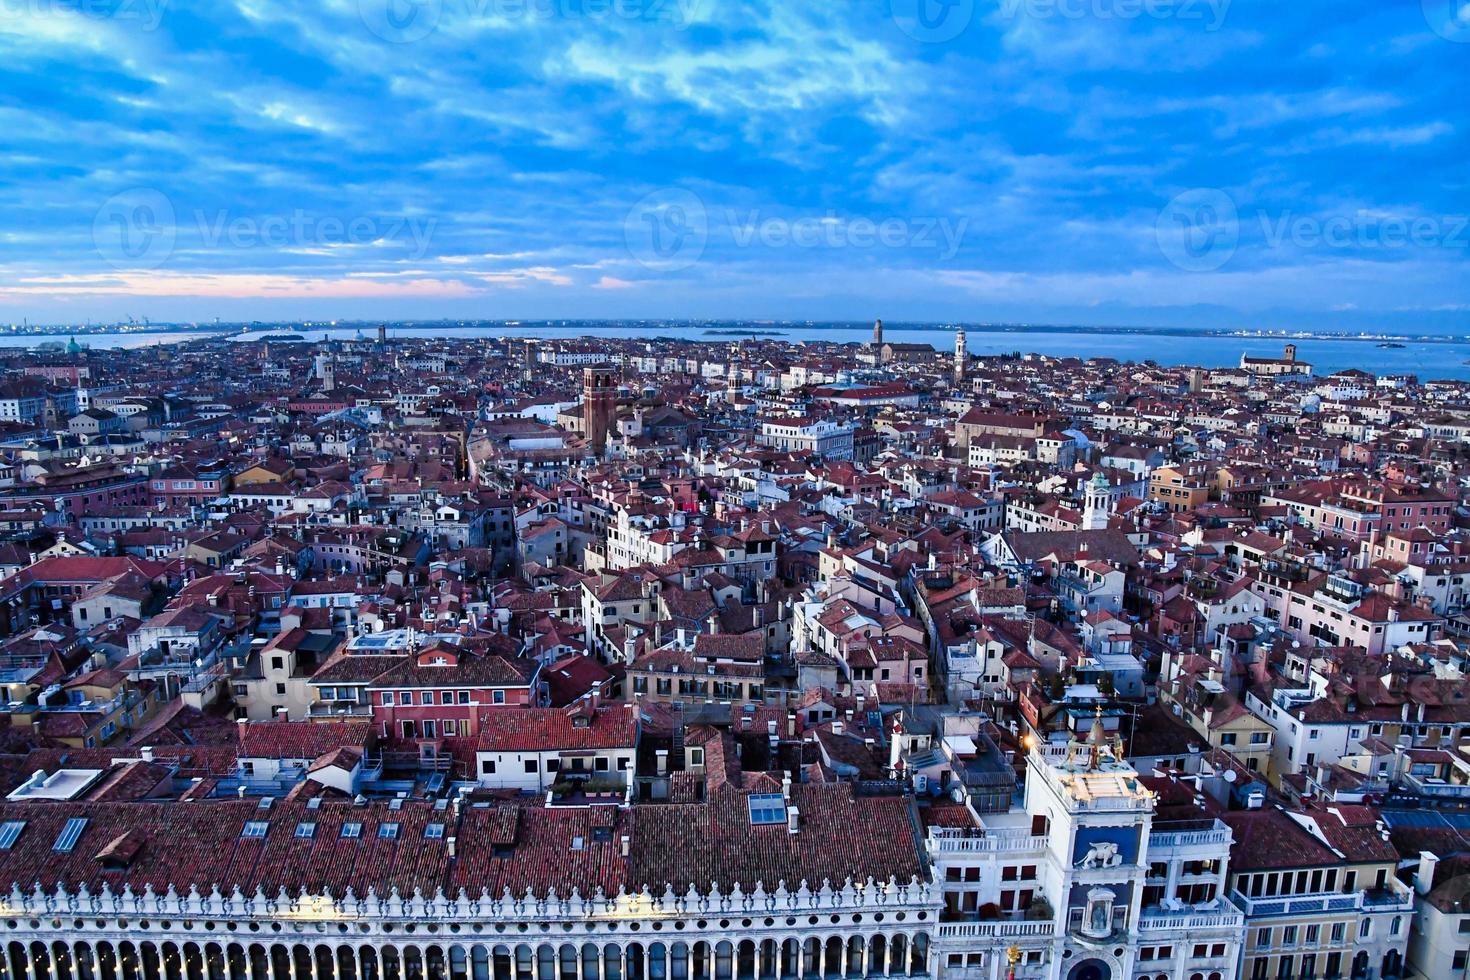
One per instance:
(599,405)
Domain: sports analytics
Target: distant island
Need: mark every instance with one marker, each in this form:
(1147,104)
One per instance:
(743,333)
(712,327)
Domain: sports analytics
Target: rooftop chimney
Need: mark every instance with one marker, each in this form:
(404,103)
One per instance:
(1424,876)
(793,820)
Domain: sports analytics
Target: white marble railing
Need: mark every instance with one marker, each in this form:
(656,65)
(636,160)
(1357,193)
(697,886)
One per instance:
(1182,923)
(890,895)
(1189,838)
(941,841)
(993,930)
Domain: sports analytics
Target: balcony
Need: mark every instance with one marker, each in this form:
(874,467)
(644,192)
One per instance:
(200,681)
(334,710)
(955,840)
(1218,835)
(994,930)
(1157,921)
(1392,899)
(584,792)
(1436,787)
(124,701)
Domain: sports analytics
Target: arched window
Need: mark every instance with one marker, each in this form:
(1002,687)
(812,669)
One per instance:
(920,956)
(492,963)
(898,951)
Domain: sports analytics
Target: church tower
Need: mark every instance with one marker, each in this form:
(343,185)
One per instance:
(599,406)
(1097,506)
(877,334)
(961,355)
(326,371)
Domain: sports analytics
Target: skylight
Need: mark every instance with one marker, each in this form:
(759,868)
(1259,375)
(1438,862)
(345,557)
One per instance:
(255,829)
(9,832)
(767,808)
(69,835)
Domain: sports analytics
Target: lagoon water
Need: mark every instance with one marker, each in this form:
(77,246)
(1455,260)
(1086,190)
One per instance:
(1427,360)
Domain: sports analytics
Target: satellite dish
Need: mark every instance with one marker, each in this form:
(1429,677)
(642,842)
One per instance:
(1230,776)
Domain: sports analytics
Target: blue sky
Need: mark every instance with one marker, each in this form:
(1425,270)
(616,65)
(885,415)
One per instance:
(1175,162)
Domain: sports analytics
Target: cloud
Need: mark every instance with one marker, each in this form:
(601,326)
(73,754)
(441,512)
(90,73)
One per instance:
(505,152)
(234,286)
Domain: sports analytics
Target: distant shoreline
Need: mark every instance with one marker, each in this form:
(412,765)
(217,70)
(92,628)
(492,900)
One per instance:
(760,329)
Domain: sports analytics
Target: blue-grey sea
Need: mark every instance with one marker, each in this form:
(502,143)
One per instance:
(1428,360)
